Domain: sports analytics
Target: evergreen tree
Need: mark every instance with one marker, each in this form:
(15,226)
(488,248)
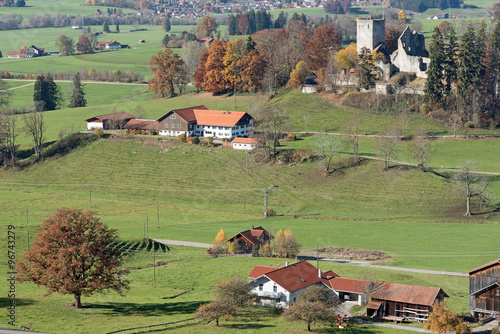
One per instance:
(46,93)
(366,68)
(232,29)
(480,54)
(78,96)
(250,44)
(434,85)
(280,21)
(39,88)
(296,17)
(451,65)
(251,22)
(469,68)
(492,101)
(105,27)
(165,23)
(117,26)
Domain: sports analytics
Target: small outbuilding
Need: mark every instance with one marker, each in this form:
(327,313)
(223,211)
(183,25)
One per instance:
(109,121)
(240,143)
(484,291)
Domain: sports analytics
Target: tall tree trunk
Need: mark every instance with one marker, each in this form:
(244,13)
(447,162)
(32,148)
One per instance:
(468,214)
(217,322)
(309,326)
(78,303)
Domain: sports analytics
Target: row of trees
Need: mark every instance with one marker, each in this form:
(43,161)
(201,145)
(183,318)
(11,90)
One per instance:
(463,77)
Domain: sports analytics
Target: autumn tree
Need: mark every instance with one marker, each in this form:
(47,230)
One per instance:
(319,293)
(78,94)
(308,312)
(346,58)
(199,74)
(216,310)
(206,27)
(218,245)
(470,184)
(270,122)
(326,147)
(252,76)
(66,45)
(442,320)
(243,24)
(298,75)
(285,244)
(388,145)
(401,16)
(421,148)
(214,80)
(166,67)
(83,45)
(392,33)
(71,255)
(324,39)
(233,63)
(233,291)
(444,27)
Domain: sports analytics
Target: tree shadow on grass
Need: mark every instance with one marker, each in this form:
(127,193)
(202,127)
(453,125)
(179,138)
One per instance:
(249,326)
(5,302)
(148,310)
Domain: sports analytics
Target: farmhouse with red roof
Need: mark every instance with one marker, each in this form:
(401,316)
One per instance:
(250,240)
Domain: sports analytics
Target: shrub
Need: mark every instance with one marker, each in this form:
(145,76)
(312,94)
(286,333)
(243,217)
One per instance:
(195,140)
(99,132)
(291,137)
(271,212)
(181,138)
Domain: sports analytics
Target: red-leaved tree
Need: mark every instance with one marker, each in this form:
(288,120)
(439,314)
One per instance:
(324,39)
(167,68)
(71,256)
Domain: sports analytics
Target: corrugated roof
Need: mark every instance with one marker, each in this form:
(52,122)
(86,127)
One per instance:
(115,116)
(218,117)
(410,294)
(240,140)
(258,271)
(350,285)
(484,266)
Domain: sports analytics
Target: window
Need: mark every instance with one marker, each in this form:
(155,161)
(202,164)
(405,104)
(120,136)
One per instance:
(275,288)
(497,293)
(261,287)
(173,126)
(166,126)
(178,126)
(172,116)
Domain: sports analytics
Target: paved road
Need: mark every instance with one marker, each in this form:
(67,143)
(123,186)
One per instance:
(182,243)
(398,327)
(87,81)
(5,330)
(30,84)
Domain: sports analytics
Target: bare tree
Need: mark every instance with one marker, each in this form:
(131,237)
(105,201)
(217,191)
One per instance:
(421,148)
(471,184)
(191,56)
(8,122)
(351,136)
(326,147)
(34,126)
(270,123)
(4,94)
(388,145)
(404,121)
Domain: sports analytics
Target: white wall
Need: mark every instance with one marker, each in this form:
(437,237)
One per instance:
(242,146)
(94,125)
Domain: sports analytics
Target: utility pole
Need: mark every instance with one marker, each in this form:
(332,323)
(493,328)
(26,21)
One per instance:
(28,229)
(90,194)
(317,257)
(157,215)
(154,266)
(147,226)
(265,202)
(245,205)
(145,229)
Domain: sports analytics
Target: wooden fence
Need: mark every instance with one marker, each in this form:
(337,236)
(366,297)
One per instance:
(152,328)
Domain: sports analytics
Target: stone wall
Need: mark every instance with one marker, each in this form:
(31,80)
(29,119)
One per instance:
(370,33)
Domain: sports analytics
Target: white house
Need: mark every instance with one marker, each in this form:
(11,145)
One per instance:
(222,124)
(244,143)
(109,121)
(279,287)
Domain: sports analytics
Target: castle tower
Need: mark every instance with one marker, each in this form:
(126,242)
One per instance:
(370,33)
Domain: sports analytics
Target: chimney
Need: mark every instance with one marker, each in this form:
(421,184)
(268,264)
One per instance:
(319,273)
(252,227)
(286,264)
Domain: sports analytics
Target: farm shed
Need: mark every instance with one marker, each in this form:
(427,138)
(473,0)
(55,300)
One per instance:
(109,121)
(250,240)
(484,290)
(396,301)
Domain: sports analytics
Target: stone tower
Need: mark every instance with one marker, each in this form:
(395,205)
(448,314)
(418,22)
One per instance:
(370,33)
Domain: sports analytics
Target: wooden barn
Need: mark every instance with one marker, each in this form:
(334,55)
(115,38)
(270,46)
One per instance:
(250,240)
(109,121)
(484,290)
(398,302)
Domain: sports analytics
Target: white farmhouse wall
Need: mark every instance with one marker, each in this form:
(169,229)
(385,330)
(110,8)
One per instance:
(243,146)
(94,125)
(267,295)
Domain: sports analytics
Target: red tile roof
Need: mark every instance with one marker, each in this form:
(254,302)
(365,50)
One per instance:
(218,117)
(240,140)
(258,271)
(186,113)
(404,293)
(141,124)
(252,235)
(115,116)
(349,285)
(297,276)
(484,266)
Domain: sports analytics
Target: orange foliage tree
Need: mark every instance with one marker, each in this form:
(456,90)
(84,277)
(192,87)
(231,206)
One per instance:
(346,58)
(206,27)
(324,39)
(71,256)
(442,320)
(233,62)
(166,67)
(298,75)
(252,77)
(216,310)
(214,80)
(199,74)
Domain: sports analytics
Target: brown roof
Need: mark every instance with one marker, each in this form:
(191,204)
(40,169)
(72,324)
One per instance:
(115,116)
(484,266)
(141,124)
(258,271)
(218,117)
(404,293)
(186,113)
(349,285)
(252,235)
(296,276)
(244,140)
(373,305)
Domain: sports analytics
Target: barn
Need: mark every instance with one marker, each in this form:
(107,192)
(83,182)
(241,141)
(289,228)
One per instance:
(484,290)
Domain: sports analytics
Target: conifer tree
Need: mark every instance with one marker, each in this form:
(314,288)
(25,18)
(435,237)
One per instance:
(280,21)
(232,29)
(78,95)
(450,68)
(469,65)
(46,93)
(165,23)
(105,27)
(434,85)
(117,26)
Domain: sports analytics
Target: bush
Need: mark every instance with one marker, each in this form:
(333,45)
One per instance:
(291,137)
(181,138)
(271,212)
(99,132)
(195,140)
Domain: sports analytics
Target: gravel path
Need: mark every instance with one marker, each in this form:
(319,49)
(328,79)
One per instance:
(182,243)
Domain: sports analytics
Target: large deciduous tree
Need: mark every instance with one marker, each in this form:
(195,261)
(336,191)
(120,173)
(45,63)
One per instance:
(421,148)
(83,45)
(214,80)
(233,291)
(233,62)
(470,184)
(78,94)
(216,310)
(166,67)
(442,320)
(34,127)
(270,123)
(66,45)
(324,39)
(308,312)
(285,244)
(71,256)
(206,27)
